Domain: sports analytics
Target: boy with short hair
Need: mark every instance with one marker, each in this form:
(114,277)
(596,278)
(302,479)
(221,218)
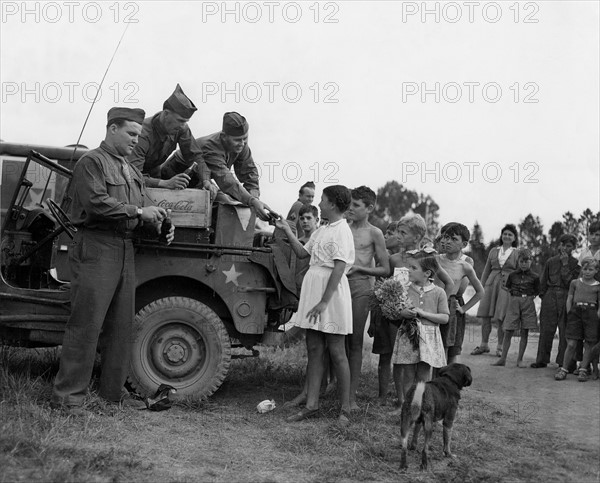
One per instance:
(593,248)
(410,231)
(583,317)
(391,241)
(454,238)
(306,194)
(523,285)
(369,246)
(309,221)
(557,275)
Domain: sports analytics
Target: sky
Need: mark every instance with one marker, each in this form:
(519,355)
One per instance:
(491,108)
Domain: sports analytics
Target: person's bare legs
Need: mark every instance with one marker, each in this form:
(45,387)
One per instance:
(315,344)
(404,377)
(384,373)
(360,312)
(522,347)
(337,349)
(423,373)
(505,347)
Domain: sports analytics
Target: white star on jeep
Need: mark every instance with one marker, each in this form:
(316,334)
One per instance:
(232,275)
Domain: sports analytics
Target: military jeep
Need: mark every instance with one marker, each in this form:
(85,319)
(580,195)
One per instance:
(219,285)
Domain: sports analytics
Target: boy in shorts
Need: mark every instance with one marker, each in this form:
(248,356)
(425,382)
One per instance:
(369,246)
(583,317)
(523,285)
(454,238)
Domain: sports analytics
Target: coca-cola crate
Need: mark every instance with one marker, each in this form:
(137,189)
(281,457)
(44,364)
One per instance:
(189,207)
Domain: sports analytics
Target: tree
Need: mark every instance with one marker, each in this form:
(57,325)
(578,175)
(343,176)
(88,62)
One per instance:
(531,234)
(478,251)
(394,201)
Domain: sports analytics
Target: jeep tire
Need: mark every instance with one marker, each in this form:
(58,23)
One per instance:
(181,342)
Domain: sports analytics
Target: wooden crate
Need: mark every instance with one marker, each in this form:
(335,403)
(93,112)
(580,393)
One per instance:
(189,207)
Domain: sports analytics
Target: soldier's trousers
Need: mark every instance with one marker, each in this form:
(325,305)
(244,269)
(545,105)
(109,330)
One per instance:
(102,311)
(553,315)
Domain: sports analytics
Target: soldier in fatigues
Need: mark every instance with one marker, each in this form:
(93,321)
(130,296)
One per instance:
(108,203)
(161,134)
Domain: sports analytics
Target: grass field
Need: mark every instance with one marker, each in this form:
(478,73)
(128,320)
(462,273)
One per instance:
(225,439)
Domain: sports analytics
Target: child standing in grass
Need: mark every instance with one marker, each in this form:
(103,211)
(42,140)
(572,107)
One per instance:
(523,285)
(430,309)
(325,306)
(583,317)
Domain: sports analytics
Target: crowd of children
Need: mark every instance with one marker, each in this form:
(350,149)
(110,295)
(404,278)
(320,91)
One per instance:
(346,255)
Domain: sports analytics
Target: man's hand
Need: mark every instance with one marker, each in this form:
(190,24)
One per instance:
(262,209)
(354,269)
(153,214)
(213,188)
(178,182)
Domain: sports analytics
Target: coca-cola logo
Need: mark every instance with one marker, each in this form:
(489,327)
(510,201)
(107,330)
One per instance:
(181,205)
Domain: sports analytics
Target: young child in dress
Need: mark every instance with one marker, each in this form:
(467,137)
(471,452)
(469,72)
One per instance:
(431,309)
(325,306)
(454,238)
(523,285)
(583,317)
(410,231)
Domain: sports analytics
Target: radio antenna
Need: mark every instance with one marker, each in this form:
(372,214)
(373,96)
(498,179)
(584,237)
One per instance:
(98,92)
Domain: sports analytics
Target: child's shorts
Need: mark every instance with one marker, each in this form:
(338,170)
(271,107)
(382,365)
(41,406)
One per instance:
(520,314)
(582,323)
(384,334)
(461,322)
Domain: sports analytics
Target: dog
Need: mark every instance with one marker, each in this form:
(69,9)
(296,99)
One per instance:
(428,402)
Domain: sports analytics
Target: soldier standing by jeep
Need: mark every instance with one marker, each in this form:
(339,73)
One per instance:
(108,204)
(160,136)
(220,152)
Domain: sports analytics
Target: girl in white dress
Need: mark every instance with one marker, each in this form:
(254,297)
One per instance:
(325,306)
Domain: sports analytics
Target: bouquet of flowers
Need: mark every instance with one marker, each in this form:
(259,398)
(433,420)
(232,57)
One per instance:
(388,299)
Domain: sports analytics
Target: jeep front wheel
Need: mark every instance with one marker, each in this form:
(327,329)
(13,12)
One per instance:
(181,342)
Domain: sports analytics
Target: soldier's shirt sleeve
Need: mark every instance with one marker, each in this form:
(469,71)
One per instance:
(192,152)
(225,179)
(138,158)
(247,172)
(90,183)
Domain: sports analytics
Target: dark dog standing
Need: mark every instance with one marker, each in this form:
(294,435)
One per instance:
(429,402)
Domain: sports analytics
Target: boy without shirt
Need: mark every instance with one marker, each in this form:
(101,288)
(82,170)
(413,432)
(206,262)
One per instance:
(454,238)
(369,246)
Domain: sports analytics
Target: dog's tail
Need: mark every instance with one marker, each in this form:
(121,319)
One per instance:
(415,407)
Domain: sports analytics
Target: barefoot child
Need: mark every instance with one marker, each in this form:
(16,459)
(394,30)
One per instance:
(431,309)
(369,246)
(523,286)
(583,317)
(454,239)
(325,306)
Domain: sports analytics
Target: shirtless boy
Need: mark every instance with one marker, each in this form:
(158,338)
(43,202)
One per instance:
(455,237)
(369,246)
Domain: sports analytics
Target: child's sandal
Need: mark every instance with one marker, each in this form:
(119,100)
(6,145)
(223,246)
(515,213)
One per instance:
(583,375)
(560,375)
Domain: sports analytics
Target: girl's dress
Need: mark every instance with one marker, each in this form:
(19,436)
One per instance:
(430,298)
(329,243)
(498,266)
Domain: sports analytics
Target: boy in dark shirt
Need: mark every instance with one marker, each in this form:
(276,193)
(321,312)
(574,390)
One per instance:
(554,285)
(523,285)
